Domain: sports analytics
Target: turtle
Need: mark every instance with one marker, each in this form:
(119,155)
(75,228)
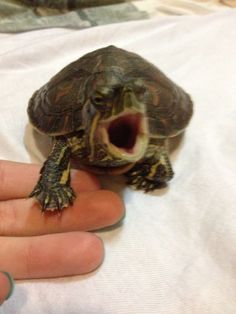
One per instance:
(112,111)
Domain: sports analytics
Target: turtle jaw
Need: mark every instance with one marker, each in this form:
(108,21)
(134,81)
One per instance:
(126,135)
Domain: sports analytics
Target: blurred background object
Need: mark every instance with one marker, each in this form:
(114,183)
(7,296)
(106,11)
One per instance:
(24,15)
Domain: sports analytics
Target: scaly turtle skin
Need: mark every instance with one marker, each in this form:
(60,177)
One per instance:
(113,111)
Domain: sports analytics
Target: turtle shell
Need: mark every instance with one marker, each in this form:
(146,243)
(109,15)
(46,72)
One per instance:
(56,108)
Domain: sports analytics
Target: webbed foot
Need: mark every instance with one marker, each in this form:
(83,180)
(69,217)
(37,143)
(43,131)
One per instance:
(152,173)
(53,189)
(53,197)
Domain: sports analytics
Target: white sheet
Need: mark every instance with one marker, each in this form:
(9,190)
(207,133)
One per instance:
(175,252)
(182,7)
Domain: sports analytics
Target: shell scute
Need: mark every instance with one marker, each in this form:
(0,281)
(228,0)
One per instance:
(56,108)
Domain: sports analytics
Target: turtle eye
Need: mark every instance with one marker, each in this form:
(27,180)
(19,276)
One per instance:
(140,89)
(98,100)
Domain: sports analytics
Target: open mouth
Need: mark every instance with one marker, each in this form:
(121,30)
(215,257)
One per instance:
(123,131)
(126,135)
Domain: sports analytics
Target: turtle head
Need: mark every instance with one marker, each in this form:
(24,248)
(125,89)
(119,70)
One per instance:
(119,125)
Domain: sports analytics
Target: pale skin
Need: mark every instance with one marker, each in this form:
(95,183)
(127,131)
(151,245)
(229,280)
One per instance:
(33,245)
(5,287)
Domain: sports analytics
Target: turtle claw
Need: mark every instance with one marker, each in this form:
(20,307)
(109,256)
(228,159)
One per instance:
(45,202)
(145,184)
(140,178)
(53,197)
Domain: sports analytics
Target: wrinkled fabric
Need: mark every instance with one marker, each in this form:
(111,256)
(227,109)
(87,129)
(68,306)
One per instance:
(175,252)
(24,15)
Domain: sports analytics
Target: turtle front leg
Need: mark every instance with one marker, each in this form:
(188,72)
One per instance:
(154,170)
(53,190)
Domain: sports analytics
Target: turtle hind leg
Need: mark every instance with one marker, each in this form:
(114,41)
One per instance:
(53,190)
(153,172)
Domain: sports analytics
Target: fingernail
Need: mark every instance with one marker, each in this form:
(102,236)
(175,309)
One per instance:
(11,282)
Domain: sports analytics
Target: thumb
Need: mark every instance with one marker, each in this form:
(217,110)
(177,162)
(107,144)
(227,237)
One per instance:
(6,286)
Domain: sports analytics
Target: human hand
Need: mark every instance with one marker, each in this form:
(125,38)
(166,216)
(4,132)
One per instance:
(33,245)
(6,286)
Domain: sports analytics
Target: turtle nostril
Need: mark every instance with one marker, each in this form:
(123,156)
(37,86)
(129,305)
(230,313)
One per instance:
(128,89)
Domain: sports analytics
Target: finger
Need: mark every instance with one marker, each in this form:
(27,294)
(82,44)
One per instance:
(54,255)
(6,286)
(18,179)
(91,210)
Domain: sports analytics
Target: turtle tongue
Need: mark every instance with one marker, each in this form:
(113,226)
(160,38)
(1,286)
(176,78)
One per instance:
(123,131)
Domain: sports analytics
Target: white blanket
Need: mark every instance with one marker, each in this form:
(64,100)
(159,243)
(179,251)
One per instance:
(175,252)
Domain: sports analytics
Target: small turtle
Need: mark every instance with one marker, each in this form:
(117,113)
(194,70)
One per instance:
(114,112)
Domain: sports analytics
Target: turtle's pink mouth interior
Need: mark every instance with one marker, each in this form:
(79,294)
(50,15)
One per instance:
(123,131)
